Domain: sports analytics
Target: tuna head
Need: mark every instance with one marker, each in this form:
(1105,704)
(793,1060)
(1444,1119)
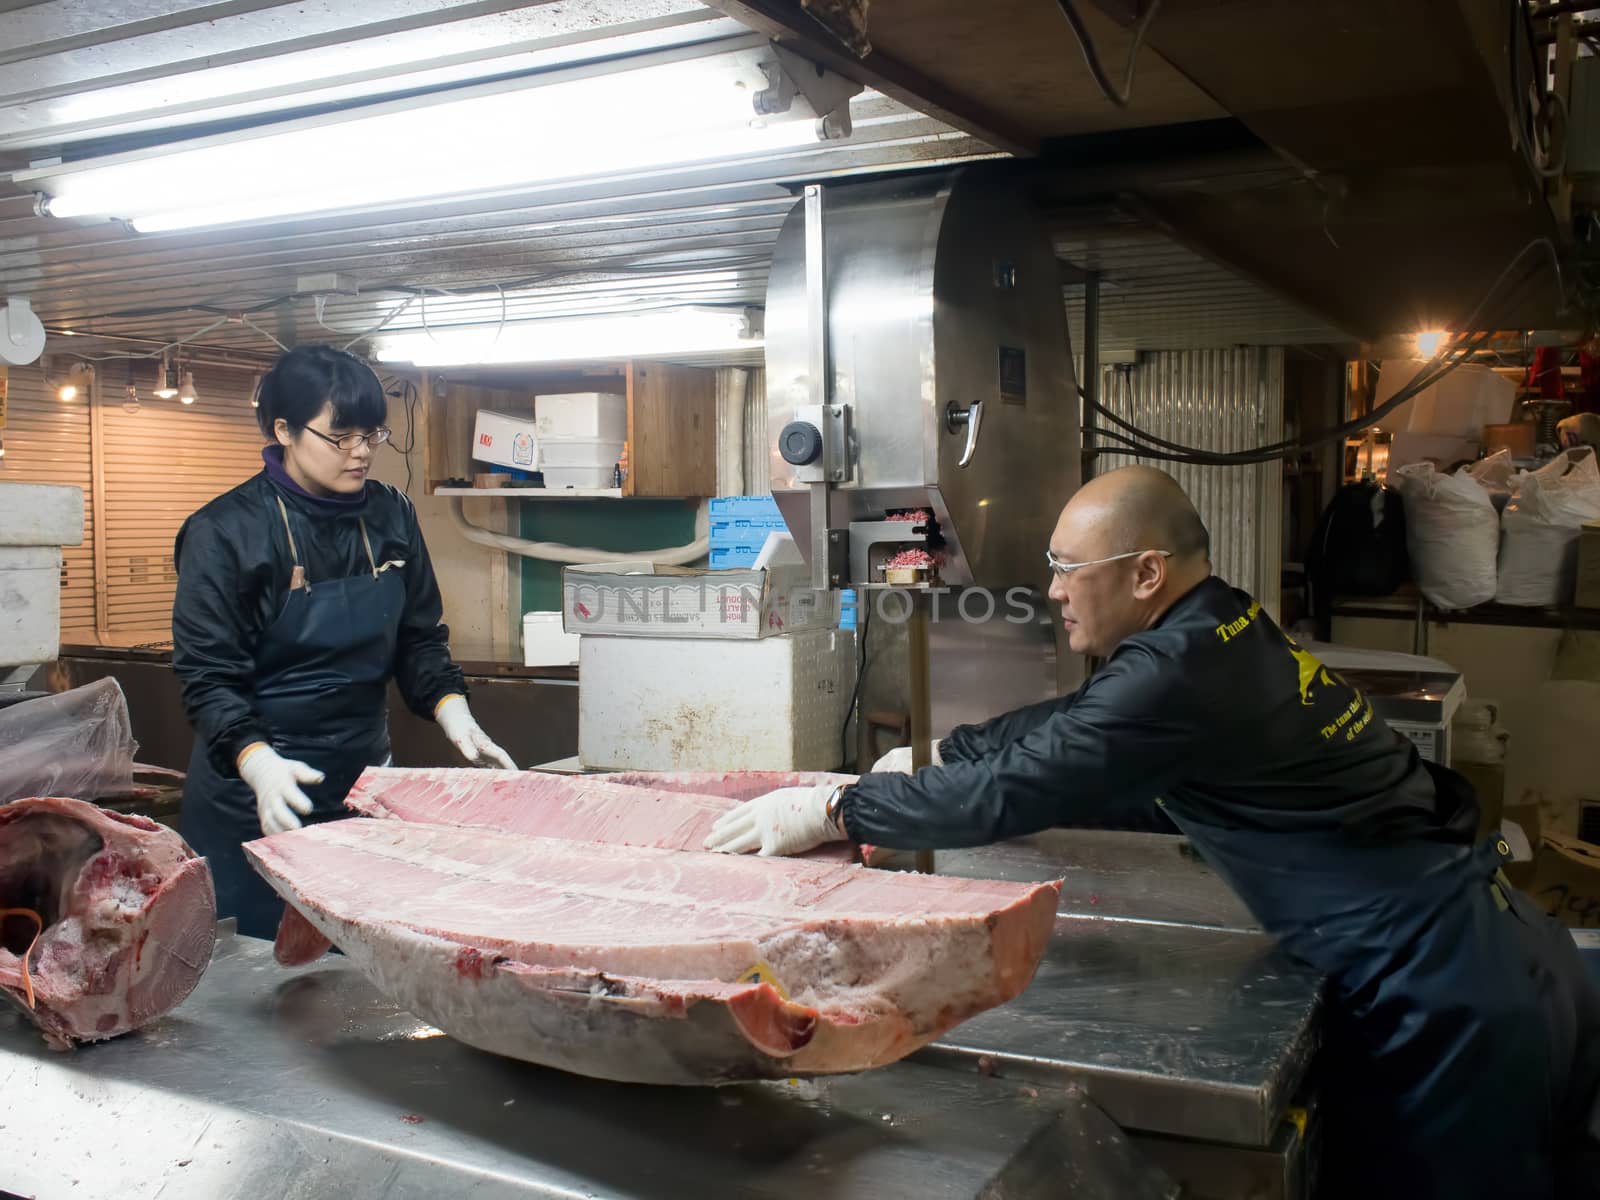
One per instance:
(106,921)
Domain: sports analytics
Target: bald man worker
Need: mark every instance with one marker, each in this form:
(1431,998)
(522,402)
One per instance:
(1461,1055)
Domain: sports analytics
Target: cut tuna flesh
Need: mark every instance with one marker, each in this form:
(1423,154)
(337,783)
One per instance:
(585,808)
(636,809)
(109,919)
(658,966)
(733,785)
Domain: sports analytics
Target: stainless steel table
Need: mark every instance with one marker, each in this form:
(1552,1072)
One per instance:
(307,1084)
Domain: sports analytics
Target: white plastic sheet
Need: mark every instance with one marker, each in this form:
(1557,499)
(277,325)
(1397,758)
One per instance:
(76,744)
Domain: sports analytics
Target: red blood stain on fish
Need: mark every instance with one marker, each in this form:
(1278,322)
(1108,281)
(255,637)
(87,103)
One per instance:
(472,963)
(413,1118)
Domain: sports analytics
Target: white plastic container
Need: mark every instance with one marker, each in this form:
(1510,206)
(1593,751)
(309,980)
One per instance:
(505,440)
(36,520)
(545,643)
(578,452)
(579,477)
(601,416)
(684,704)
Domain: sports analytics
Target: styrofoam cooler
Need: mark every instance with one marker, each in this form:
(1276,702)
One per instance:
(691,704)
(545,643)
(601,416)
(579,477)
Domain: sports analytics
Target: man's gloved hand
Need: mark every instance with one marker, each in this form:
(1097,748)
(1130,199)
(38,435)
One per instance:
(465,734)
(898,760)
(787,821)
(276,782)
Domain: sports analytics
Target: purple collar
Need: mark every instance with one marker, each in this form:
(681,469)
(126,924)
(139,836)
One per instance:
(272,456)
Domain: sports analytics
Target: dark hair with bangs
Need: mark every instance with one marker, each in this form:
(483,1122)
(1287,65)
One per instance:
(308,378)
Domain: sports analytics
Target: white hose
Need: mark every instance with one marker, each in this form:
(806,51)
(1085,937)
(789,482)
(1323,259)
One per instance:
(558,552)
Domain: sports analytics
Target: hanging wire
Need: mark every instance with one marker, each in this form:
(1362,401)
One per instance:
(1118,96)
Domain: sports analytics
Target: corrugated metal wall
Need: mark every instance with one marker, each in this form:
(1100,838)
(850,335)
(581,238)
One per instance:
(1215,400)
(47,441)
(163,461)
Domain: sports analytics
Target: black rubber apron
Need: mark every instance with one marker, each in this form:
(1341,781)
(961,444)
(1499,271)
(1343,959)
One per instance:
(322,671)
(1461,1021)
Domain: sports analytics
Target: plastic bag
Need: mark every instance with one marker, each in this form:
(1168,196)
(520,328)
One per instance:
(1539,529)
(76,744)
(1452,534)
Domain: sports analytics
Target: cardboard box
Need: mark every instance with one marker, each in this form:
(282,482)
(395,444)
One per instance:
(505,439)
(1565,880)
(1588,592)
(639,599)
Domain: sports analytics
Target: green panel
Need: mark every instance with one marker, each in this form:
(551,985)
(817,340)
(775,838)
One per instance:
(620,525)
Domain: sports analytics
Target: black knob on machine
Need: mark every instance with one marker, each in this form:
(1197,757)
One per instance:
(800,443)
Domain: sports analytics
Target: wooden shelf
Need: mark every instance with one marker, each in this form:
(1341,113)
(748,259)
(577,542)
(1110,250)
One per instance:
(511,493)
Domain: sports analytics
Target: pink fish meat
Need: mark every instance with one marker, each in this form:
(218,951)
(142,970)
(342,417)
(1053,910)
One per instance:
(653,965)
(108,920)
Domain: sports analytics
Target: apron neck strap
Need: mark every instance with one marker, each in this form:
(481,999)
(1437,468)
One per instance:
(294,553)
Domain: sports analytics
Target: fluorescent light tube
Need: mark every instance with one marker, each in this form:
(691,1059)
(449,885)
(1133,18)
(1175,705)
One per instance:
(618,335)
(679,107)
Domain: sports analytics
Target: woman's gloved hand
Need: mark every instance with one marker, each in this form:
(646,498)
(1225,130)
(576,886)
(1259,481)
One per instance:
(466,735)
(276,782)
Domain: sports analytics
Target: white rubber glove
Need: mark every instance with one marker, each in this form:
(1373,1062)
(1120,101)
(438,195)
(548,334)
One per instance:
(276,782)
(898,760)
(465,734)
(787,821)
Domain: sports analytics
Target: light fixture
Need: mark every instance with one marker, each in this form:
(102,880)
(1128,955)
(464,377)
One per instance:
(166,382)
(74,382)
(1429,341)
(67,391)
(635,116)
(186,392)
(671,331)
(255,391)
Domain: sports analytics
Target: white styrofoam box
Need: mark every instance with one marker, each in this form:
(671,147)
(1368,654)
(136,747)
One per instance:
(40,514)
(602,415)
(578,452)
(580,477)
(686,704)
(505,439)
(1460,404)
(545,643)
(30,604)
(637,598)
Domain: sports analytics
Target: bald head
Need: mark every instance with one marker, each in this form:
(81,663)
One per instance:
(1155,550)
(1137,508)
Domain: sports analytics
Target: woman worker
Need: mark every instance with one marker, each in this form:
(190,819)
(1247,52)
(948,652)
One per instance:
(301,593)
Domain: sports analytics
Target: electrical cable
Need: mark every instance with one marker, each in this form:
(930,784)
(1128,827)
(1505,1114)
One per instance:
(863,615)
(1091,56)
(1443,361)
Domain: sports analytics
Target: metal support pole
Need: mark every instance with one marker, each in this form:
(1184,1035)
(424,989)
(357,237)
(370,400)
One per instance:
(1091,368)
(921,696)
(817,375)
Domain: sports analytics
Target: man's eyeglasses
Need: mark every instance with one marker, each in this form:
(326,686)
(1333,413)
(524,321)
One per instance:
(1064,569)
(350,441)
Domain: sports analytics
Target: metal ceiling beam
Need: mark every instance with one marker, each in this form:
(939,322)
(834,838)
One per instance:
(788,24)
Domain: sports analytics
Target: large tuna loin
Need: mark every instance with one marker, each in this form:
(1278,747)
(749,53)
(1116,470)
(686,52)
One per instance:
(658,966)
(108,920)
(639,809)
(665,811)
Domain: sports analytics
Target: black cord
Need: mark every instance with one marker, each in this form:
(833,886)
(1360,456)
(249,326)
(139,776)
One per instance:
(863,613)
(1091,56)
(406,392)
(1446,359)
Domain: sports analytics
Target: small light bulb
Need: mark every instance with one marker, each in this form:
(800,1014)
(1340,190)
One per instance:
(1429,341)
(186,392)
(68,392)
